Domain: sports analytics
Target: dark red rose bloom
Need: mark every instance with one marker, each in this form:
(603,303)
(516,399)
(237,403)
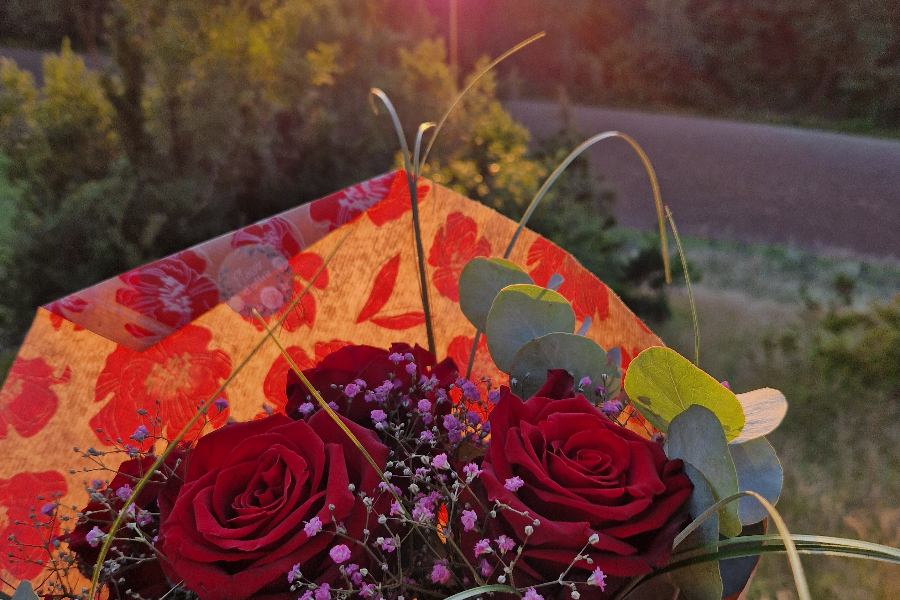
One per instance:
(581,475)
(368,364)
(145,578)
(237,527)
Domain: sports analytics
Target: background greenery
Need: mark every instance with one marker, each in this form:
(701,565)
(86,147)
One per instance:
(201,116)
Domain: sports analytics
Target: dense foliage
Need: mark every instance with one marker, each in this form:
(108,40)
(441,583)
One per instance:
(831,60)
(209,117)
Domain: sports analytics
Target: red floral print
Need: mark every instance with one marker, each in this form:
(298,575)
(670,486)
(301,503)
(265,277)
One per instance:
(455,244)
(26,401)
(382,288)
(304,266)
(589,297)
(276,233)
(18,501)
(174,290)
(323,349)
(398,201)
(344,206)
(179,372)
(59,309)
(275,383)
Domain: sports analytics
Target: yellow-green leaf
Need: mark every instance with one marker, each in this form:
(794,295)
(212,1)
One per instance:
(663,384)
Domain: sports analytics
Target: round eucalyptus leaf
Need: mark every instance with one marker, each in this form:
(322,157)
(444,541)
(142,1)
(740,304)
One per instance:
(663,384)
(521,313)
(480,282)
(702,581)
(696,437)
(758,470)
(580,356)
(764,409)
(736,572)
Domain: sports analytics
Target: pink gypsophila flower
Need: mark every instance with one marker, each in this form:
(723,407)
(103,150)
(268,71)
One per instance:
(340,553)
(468,520)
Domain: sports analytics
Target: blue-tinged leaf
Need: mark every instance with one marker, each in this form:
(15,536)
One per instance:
(580,356)
(700,581)
(480,282)
(758,470)
(696,437)
(521,313)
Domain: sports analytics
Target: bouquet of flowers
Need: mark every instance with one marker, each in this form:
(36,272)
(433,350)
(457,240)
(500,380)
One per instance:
(387,474)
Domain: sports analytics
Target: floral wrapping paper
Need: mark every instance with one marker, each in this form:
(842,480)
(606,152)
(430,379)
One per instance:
(163,337)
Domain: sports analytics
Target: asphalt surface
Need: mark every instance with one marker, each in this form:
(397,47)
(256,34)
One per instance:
(819,191)
(813,190)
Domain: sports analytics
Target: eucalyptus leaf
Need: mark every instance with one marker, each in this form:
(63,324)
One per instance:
(758,470)
(580,356)
(736,572)
(663,384)
(521,313)
(700,581)
(585,326)
(764,410)
(555,281)
(480,282)
(25,592)
(696,437)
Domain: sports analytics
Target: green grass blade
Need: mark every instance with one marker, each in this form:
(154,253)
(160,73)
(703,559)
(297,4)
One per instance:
(422,129)
(804,543)
(496,62)
(687,280)
(575,154)
(789,547)
(412,180)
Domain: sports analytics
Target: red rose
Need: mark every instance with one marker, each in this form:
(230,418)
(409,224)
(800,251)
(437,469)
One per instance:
(237,527)
(146,577)
(579,475)
(370,365)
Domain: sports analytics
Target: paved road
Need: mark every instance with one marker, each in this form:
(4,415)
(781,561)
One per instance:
(727,180)
(756,183)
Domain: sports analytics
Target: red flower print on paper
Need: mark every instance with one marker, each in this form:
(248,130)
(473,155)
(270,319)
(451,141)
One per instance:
(304,266)
(180,372)
(323,349)
(455,244)
(26,401)
(59,309)
(275,233)
(385,281)
(344,206)
(398,201)
(459,350)
(589,297)
(174,290)
(18,496)
(275,383)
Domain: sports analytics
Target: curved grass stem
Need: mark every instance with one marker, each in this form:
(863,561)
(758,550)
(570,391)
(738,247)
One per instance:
(687,280)
(472,83)
(789,547)
(568,160)
(412,180)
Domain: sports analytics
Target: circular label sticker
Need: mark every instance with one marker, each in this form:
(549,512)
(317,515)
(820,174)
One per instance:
(256,276)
